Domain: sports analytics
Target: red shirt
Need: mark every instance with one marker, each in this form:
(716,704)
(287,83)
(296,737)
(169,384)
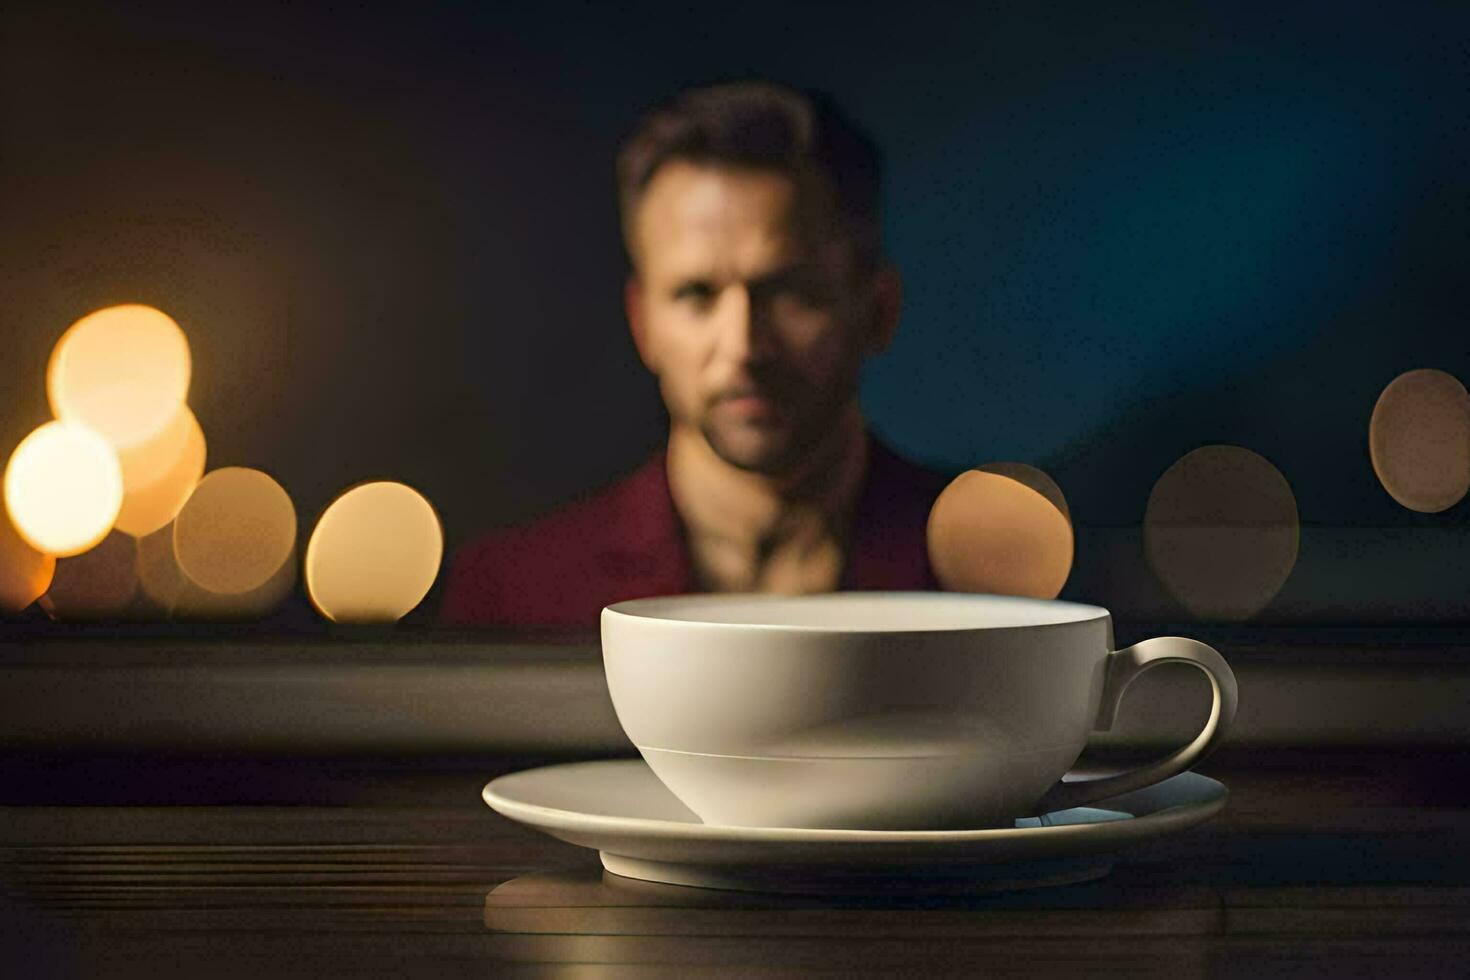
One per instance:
(627,541)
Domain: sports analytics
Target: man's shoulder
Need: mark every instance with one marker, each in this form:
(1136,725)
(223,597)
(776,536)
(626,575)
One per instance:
(889,547)
(568,524)
(560,568)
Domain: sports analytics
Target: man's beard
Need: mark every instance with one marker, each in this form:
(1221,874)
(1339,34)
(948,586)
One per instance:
(799,439)
(771,457)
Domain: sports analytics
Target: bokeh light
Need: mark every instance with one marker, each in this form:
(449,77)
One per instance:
(63,488)
(160,579)
(100,583)
(1037,479)
(122,372)
(159,475)
(1221,531)
(194,602)
(1419,440)
(991,533)
(374,554)
(235,532)
(25,573)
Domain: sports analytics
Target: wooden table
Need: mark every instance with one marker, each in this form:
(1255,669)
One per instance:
(1332,863)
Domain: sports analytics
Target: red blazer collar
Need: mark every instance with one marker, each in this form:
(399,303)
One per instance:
(886,549)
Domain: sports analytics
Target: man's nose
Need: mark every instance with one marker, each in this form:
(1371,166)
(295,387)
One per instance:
(745,327)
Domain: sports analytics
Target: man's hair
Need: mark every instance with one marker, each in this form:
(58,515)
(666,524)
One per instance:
(767,126)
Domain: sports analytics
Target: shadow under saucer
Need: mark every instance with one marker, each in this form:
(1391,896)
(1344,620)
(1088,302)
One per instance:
(578,913)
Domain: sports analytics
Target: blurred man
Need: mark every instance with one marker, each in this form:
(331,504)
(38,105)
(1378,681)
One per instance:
(758,288)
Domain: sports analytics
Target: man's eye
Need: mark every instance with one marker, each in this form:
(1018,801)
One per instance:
(803,290)
(810,293)
(699,293)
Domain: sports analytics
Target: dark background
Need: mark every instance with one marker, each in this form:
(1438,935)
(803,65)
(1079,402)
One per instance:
(389,232)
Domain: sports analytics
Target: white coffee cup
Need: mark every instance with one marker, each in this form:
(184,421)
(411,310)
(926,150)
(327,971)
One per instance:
(882,710)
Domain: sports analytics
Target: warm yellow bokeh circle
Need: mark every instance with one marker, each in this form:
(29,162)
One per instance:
(374,554)
(122,371)
(160,474)
(1419,440)
(991,533)
(1033,477)
(25,573)
(63,488)
(1221,531)
(236,531)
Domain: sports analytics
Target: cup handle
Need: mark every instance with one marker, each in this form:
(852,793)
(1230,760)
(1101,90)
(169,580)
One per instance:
(1123,666)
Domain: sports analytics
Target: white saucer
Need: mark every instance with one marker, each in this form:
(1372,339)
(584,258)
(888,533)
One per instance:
(641,830)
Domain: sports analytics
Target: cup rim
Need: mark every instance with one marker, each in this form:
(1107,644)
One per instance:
(649,609)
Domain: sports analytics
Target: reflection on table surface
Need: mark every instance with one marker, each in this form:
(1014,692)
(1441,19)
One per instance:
(1332,863)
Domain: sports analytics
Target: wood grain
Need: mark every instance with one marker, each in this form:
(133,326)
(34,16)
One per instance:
(1314,867)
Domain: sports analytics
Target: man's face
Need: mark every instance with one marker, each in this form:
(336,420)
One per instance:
(748,309)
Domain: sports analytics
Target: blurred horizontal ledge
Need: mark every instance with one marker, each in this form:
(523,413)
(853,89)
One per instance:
(122,644)
(418,694)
